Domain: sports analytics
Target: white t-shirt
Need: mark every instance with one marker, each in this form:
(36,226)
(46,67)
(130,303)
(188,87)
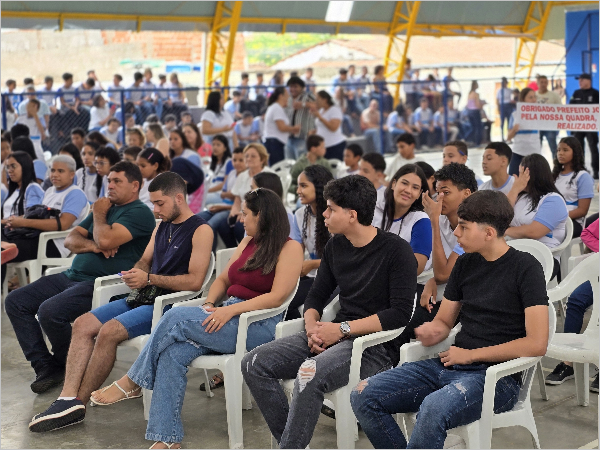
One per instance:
(311,229)
(88,185)
(581,187)
(549,97)
(331,137)
(396,163)
(525,142)
(449,241)
(505,188)
(345,172)
(243,183)
(504,96)
(97,115)
(276,112)
(34,134)
(145,195)
(218,121)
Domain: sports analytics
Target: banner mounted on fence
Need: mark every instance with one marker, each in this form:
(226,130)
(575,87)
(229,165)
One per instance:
(538,116)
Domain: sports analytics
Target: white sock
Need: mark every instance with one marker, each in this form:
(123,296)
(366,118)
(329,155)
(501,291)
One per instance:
(67,398)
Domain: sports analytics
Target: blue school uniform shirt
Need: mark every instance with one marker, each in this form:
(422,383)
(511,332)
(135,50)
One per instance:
(575,187)
(40,169)
(424,116)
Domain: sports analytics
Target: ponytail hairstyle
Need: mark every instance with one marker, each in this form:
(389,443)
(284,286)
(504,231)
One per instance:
(155,156)
(27,177)
(319,176)
(214,160)
(273,229)
(96,147)
(578,161)
(389,209)
(113,157)
(275,95)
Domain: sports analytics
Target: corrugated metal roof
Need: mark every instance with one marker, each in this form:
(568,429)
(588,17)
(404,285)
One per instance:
(368,17)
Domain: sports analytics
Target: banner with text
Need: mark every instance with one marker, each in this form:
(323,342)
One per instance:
(538,116)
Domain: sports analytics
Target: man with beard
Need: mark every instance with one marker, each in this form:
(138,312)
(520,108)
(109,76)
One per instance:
(176,258)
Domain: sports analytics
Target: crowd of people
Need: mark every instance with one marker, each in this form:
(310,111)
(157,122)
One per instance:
(363,232)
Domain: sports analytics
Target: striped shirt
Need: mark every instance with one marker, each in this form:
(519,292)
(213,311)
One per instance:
(301,116)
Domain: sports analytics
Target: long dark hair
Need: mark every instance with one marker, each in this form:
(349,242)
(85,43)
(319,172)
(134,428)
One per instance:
(270,181)
(273,229)
(214,160)
(213,102)
(113,157)
(541,181)
(199,141)
(184,141)
(578,161)
(27,177)
(97,137)
(275,95)
(23,144)
(72,150)
(390,203)
(319,176)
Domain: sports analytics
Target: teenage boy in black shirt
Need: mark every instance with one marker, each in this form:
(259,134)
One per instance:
(501,295)
(377,275)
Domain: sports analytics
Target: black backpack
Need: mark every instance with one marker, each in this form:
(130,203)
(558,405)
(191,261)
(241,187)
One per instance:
(33,212)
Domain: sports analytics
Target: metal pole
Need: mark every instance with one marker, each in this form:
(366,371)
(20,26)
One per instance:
(122,93)
(501,110)
(4,121)
(381,135)
(445,100)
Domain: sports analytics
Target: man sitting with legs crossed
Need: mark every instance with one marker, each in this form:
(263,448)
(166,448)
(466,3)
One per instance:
(500,294)
(176,258)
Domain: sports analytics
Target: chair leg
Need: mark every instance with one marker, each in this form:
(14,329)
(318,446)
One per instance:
(344,419)
(246,397)
(209,393)
(474,436)
(147,399)
(582,382)
(35,271)
(233,399)
(542,381)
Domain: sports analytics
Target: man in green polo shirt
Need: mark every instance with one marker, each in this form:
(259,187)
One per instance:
(111,239)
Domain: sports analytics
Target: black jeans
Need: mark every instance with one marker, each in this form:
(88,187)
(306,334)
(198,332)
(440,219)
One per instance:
(57,301)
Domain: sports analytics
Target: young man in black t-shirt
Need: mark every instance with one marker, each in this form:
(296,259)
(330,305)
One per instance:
(501,295)
(377,275)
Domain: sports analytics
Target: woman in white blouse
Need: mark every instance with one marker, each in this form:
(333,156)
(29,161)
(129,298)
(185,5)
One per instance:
(216,121)
(328,122)
(277,125)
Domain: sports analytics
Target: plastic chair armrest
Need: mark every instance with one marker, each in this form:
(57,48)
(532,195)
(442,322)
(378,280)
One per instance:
(46,237)
(415,351)
(289,327)
(247,318)
(55,270)
(103,294)
(169,299)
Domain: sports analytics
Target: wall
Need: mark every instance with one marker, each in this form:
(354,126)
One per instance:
(581,36)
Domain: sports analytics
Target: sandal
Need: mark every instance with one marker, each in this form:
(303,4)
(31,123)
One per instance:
(128,395)
(216,381)
(168,444)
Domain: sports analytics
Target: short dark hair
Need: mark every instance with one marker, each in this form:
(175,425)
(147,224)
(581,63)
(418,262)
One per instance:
(297,81)
(269,180)
(312,141)
(247,114)
(353,192)
(169,183)
(426,168)
(138,76)
(239,149)
(131,170)
(487,207)
(244,75)
(376,160)
(90,82)
(461,176)
(67,76)
(113,119)
(407,138)
(48,78)
(343,71)
(118,76)
(27,81)
(170,118)
(236,94)
(355,149)
(18,130)
(461,146)
(133,151)
(79,131)
(501,149)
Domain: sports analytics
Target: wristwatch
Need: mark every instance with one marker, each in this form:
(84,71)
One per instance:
(345,329)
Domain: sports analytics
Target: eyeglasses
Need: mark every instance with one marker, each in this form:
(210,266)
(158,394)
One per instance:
(100,163)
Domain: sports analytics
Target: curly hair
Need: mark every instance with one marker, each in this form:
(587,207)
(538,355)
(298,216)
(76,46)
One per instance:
(390,203)
(577,163)
(461,176)
(319,176)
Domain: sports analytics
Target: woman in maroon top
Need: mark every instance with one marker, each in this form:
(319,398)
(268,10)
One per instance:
(261,274)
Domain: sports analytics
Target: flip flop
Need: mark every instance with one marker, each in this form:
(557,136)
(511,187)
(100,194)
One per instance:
(168,444)
(213,384)
(128,395)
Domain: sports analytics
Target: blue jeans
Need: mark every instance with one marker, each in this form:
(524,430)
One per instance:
(444,398)
(476,126)
(295,148)
(579,300)
(375,136)
(177,340)
(551,138)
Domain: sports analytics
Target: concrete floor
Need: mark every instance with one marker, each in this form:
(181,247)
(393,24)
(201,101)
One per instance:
(561,422)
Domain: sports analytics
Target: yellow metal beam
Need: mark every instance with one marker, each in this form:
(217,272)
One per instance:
(227,15)
(533,32)
(403,21)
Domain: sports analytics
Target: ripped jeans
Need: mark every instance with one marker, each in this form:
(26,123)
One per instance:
(177,340)
(288,358)
(444,398)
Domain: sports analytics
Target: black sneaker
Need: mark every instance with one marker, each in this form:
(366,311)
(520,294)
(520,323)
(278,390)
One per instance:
(47,378)
(594,385)
(61,413)
(561,373)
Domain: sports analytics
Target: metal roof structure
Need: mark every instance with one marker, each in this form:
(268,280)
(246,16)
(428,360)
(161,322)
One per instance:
(529,21)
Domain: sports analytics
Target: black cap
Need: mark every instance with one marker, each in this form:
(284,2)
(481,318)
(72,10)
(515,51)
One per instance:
(584,76)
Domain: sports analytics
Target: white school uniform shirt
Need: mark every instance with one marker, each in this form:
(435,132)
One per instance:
(90,183)
(525,142)
(218,121)
(345,172)
(331,138)
(551,212)
(97,115)
(114,93)
(34,134)
(145,195)
(33,196)
(219,173)
(449,241)
(505,188)
(276,112)
(581,186)
(243,183)
(311,228)
(396,163)
(70,200)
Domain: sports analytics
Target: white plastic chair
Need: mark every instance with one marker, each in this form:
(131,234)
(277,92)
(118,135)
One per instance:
(345,421)
(581,349)
(478,434)
(558,251)
(336,165)
(236,397)
(283,166)
(34,266)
